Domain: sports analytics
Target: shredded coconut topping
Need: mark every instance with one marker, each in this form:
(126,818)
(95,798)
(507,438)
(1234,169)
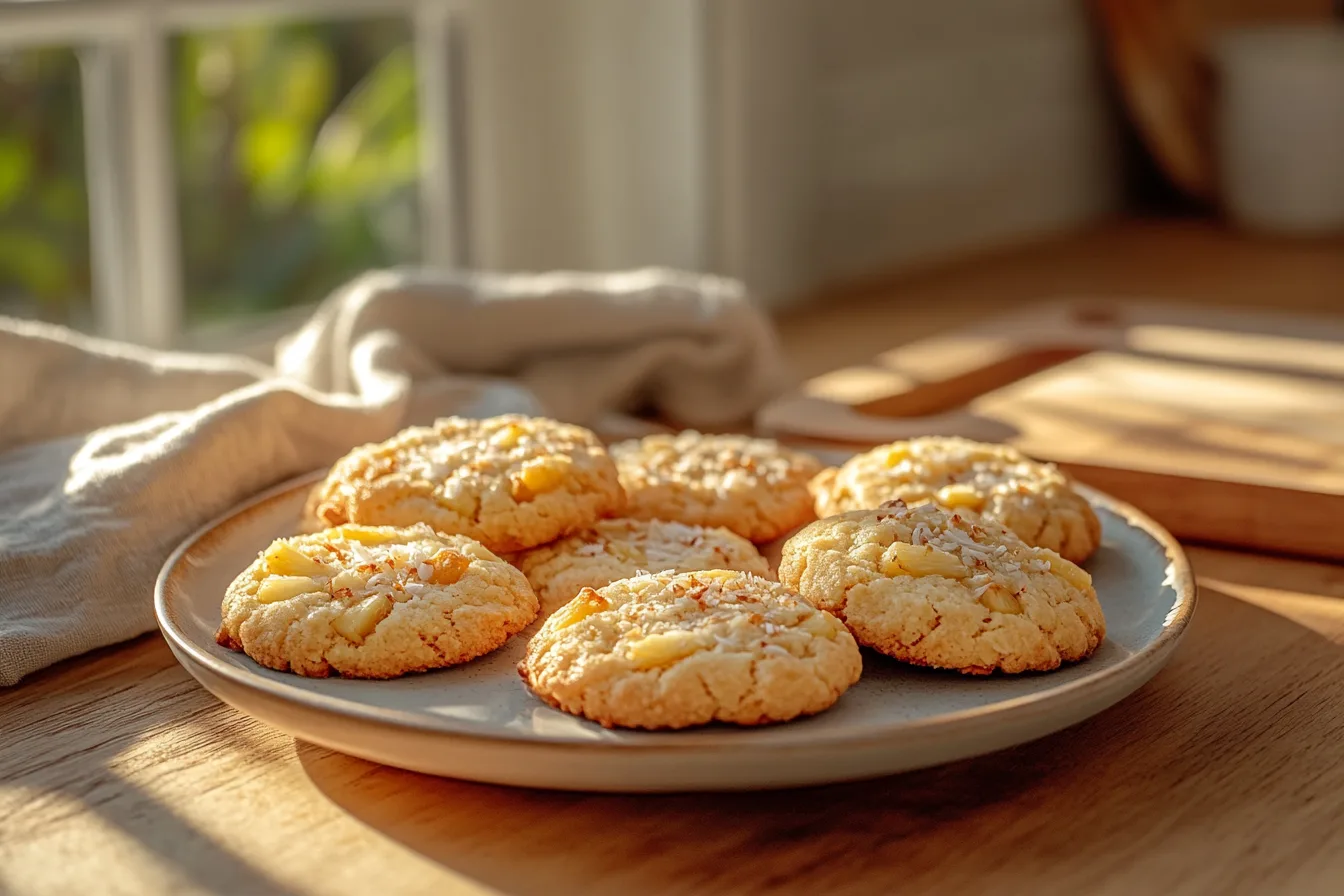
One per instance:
(964,536)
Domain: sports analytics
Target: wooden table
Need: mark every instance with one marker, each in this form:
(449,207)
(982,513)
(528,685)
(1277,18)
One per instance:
(1224,775)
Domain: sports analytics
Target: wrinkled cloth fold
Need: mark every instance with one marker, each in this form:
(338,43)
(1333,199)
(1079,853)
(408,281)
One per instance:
(111,454)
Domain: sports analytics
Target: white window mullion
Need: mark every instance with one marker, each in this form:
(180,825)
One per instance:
(152,174)
(111,241)
(133,222)
(442,222)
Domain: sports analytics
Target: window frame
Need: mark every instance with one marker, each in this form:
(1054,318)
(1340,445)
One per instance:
(123,51)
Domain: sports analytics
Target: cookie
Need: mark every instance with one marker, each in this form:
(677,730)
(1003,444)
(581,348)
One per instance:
(618,549)
(946,589)
(754,487)
(1034,499)
(509,482)
(671,650)
(374,602)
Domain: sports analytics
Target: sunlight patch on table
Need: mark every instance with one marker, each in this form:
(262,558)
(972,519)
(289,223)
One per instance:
(1324,615)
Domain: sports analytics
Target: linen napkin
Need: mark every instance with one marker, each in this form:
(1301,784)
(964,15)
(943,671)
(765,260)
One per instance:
(111,454)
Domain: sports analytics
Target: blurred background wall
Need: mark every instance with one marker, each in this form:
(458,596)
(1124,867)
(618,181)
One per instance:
(791,142)
(943,127)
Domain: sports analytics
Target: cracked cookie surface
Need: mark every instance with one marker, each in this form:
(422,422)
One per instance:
(617,549)
(946,589)
(509,482)
(373,602)
(674,650)
(754,487)
(1035,500)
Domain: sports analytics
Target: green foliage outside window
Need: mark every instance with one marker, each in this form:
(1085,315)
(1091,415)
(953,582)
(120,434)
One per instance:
(296,150)
(44,244)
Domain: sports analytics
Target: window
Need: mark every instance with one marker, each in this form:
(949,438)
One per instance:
(167,166)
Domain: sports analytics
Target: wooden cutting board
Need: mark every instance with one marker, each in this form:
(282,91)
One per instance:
(1226,427)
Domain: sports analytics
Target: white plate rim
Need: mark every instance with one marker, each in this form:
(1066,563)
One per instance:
(1137,667)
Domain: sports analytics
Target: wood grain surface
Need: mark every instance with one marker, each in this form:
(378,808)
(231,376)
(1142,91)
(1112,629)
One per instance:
(1225,774)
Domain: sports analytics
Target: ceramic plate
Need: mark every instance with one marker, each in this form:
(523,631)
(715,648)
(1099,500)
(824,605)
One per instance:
(479,722)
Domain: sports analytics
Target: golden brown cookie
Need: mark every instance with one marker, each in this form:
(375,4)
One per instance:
(620,548)
(509,482)
(1036,500)
(374,602)
(944,588)
(754,487)
(669,650)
